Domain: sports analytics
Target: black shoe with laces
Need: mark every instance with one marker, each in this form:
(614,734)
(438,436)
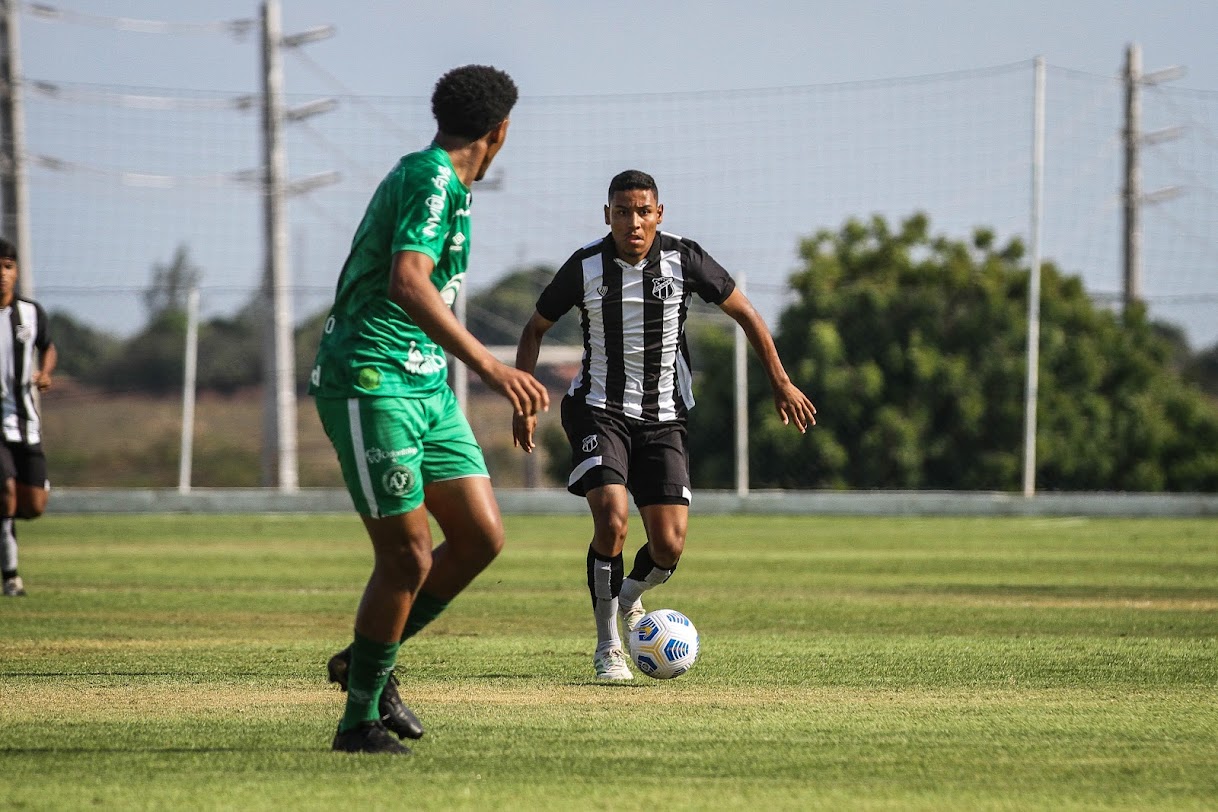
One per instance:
(396,717)
(368,737)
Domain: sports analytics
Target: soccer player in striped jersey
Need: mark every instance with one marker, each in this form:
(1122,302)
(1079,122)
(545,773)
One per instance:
(27,359)
(381,388)
(625,412)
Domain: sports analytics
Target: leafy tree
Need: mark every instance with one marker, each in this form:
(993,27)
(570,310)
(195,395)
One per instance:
(83,351)
(1202,369)
(171,282)
(912,346)
(151,360)
(230,350)
(498,314)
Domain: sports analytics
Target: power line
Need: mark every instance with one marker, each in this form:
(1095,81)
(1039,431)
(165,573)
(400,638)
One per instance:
(53,14)
(93,94)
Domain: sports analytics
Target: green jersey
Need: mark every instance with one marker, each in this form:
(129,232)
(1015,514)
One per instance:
(369,345)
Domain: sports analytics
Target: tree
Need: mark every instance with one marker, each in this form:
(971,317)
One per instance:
(84,351)
(498,314)
(1202,369)
(171,283)
(912,346)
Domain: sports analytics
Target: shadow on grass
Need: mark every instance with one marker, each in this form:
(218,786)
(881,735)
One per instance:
(40,751)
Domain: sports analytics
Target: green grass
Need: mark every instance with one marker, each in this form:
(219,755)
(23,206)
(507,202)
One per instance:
(176,663)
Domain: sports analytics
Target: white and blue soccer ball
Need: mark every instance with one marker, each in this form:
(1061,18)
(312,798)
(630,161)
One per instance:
(664,644)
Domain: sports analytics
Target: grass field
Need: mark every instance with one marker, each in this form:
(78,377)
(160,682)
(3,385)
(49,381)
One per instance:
(175,662)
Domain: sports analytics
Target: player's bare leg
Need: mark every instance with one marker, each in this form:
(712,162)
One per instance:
(469,518)
(666,527)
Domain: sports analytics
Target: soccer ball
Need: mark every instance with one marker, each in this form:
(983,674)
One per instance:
(664,644)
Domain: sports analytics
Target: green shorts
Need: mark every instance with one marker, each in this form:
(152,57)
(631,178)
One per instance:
(389,448)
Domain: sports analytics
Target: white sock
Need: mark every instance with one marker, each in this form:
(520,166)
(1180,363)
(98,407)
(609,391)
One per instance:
(8,545)
(603,576)
(633,589)
(606,625)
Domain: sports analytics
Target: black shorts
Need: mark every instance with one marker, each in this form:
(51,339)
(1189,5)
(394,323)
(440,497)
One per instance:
(607,448)
(24,463)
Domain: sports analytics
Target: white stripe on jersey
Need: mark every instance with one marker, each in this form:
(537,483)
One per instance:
(12,389)
(597,364)
(670,266)
(634,338)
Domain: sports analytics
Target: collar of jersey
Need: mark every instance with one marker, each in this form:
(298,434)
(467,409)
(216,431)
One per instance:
(653,254)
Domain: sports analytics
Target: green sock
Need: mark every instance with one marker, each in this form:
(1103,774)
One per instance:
(425,609)
(371,665)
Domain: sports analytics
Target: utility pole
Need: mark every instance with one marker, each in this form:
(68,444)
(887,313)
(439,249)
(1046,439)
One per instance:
(1132,198)
(14,191)
(279,450)
(279,462)
(1032,380)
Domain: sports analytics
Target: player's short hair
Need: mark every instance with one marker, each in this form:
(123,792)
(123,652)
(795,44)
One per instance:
(470,101)
(7,250)
(633,179)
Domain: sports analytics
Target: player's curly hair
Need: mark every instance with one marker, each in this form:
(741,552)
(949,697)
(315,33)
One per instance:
(470,101)
(633,179)
(7,250)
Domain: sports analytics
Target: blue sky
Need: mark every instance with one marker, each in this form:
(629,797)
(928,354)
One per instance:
(576,47)
(562,52)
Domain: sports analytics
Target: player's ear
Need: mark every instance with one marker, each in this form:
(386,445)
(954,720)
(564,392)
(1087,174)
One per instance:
(607,215)
(659,213)
(498,134)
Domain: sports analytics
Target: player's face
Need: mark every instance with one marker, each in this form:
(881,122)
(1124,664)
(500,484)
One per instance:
(8,278)
(633,216)
(498,136)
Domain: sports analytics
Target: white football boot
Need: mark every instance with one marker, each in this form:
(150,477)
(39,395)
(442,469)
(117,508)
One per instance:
(631,614)
(611,665)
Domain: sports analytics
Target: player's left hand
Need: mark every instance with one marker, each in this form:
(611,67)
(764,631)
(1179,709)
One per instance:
(793,406)
(42,381)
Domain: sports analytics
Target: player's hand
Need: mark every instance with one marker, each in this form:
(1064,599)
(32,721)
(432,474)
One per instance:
(42,381)
(526,394)
(522,431)
(793,406)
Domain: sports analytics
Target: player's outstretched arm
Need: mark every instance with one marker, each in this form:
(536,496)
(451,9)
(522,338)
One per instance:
(791,404)
(527,351)
(411,289)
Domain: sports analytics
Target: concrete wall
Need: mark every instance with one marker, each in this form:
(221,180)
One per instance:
(554,501)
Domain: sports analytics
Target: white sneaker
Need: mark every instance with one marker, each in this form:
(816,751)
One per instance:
(611,665)
(13,587)
(631,614)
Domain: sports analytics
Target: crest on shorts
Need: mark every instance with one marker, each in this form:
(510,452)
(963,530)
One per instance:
(662,287)
(398,480)
(589,444)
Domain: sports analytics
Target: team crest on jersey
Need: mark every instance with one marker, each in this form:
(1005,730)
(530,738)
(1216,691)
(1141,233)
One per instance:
(398,480)
(663,287)
(25,333)
(589,444)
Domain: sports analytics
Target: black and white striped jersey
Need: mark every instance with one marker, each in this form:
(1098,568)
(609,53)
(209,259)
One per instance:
(636,361)
(24,336)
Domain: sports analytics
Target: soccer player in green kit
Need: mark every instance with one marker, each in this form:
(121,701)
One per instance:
(381,389)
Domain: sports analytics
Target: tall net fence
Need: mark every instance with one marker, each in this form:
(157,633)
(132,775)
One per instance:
(123,178)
